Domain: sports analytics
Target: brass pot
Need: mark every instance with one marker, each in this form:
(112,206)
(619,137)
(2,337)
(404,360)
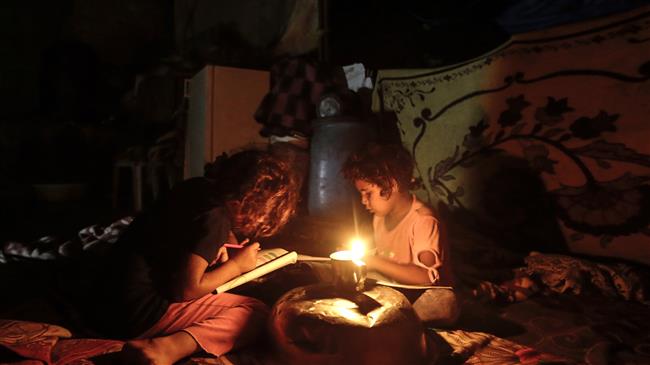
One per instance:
(320,325)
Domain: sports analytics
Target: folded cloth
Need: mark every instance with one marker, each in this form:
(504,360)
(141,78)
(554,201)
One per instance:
(562,273)
(95,238)
(567,274)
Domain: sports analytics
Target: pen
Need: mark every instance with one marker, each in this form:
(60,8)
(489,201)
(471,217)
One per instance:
(236,245)
(232,245)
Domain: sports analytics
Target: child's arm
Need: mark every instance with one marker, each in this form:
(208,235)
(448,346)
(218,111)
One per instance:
(426,253)
(403,273)
(194,281)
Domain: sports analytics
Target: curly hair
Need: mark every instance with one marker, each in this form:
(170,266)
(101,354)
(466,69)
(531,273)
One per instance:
(381,165)
(263,185)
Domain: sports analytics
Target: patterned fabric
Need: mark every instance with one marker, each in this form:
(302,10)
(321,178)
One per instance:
(78,351)
(31,340)
(541,141)
(50,344)
(478,348)
(296,87)
(570,275)
(565,274)
(515,290)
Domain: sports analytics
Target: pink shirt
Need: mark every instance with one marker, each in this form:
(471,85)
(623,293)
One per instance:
(418,231)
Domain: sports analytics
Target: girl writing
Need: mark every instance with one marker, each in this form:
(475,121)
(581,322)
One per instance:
(156,289)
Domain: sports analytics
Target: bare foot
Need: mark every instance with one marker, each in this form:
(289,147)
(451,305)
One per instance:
(144,352)
(159,350)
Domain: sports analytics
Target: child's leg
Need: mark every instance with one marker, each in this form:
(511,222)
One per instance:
(218,323)
(164,350)
(437,307)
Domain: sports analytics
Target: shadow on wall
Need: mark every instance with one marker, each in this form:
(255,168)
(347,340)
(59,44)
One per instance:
(511,205)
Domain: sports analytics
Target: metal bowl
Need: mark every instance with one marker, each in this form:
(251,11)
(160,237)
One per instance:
(322,325)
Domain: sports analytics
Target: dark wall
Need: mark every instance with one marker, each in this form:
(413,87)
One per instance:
(425,34)
(27,33)
(53,48)
(411,34)
(65,72)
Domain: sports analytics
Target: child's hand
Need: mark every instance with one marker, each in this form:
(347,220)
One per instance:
(246,257)
(222,256)
(371,262)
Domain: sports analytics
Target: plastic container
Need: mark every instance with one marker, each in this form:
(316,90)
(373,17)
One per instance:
(333,139)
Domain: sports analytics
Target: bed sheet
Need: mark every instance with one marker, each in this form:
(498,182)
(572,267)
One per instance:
(587,328)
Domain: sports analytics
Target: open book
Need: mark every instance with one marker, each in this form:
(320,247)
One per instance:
(377,278)
(267,261)
(386,281)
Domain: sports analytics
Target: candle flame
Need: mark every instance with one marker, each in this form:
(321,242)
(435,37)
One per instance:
(358,248)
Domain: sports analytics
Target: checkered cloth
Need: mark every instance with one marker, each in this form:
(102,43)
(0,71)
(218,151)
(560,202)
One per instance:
(296,87)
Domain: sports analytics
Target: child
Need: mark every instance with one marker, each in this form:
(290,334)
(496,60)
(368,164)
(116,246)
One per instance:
(410,247)
(157,287)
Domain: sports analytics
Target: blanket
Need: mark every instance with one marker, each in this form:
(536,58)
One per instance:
(565,274)
(571,275)
(41,343)
(589,329)
(607,323)
(94,239)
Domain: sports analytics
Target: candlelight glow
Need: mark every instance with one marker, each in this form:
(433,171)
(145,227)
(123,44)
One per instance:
(355,253)
(358,248)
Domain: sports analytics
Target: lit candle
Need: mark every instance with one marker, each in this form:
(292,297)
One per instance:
(349,268)
(358,249)
(355,253)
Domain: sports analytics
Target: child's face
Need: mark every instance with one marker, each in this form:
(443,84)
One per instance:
(372,200)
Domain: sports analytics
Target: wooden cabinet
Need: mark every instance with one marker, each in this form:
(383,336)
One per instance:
(222,102)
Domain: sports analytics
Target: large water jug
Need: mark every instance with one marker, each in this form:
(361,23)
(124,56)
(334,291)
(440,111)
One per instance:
(333,139)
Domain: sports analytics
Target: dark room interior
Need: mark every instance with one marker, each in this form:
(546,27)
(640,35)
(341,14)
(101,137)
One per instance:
(525,121)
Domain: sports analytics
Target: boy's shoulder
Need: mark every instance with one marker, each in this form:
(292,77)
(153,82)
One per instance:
(423,210)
